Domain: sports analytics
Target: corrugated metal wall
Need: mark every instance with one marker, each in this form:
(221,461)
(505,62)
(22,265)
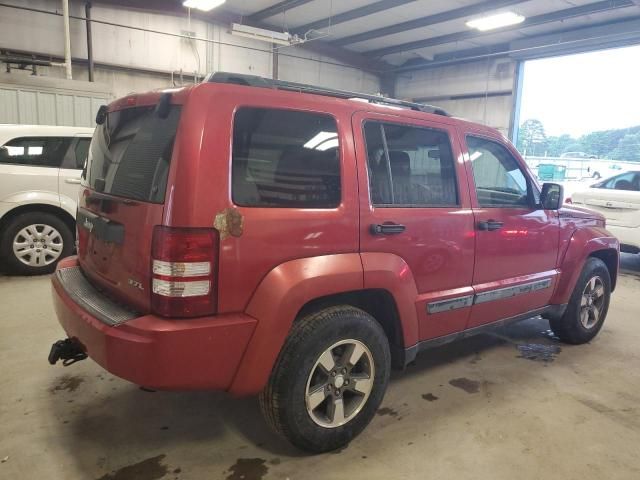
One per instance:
(32,106)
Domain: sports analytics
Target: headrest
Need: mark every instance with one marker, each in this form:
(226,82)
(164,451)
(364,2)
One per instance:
(400,163)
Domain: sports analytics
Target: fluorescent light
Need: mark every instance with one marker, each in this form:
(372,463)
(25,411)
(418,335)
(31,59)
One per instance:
(280,38)
(204,5)
(498,20)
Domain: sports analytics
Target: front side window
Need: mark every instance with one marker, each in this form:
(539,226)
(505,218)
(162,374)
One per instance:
(626,181)
(500,182)
(35,151)
(409,166)
(285,158)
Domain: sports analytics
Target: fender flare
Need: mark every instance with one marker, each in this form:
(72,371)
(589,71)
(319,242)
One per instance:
(277,301)
(390,272)
(584,242)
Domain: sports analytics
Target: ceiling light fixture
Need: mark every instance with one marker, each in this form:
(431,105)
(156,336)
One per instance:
(204,5)
(280,38)
(499,20)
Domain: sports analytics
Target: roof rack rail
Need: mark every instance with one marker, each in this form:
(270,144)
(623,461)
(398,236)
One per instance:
(261,82)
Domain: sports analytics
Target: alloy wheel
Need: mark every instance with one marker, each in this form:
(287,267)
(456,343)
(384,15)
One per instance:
(592,302)
(340,383)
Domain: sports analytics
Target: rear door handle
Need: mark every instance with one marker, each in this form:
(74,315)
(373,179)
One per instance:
(386,228)
(490,225)
(75,181)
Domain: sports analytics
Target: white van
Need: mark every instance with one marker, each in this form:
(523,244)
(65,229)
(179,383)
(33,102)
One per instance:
(40,169)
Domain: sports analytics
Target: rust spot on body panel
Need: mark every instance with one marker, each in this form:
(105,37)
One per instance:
(229,222)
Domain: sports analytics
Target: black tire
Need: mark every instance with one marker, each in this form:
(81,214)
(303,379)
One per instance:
(15,225)
(569,328)
(283,401)
(596,175)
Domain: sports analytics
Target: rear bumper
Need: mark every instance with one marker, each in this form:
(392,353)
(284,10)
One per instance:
(160,353)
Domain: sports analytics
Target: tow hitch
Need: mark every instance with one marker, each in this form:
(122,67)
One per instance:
(66,350)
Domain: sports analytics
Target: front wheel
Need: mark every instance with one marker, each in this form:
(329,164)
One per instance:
(588,306)
(329,379)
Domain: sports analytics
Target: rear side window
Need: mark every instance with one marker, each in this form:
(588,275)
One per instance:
(81,151)
(285,158)
(409,166)
(77,154)
(130,153)
(35,151)
(499,179)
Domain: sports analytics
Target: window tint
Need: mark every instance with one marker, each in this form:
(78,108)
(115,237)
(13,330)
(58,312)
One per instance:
(409,166)
(81,150)
(500,182)
(130,153)
(284,158)
(35,151)
(625,181)
(77,154)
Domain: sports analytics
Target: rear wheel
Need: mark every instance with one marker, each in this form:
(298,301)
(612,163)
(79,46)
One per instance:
(33,243)
(588,305)
(329,380)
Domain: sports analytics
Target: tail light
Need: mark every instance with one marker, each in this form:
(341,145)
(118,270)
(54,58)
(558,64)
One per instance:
(568,200)
(184,271)
(82,238)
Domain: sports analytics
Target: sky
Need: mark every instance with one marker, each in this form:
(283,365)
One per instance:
(583,93)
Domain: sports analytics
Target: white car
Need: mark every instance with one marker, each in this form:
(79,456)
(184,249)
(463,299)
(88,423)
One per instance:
(40,169)
(618,199)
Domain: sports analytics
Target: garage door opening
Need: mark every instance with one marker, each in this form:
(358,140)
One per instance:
(578,116)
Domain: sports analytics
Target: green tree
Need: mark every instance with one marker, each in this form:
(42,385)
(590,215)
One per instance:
(628,148)
(576,146)
(532,139)
(558,145)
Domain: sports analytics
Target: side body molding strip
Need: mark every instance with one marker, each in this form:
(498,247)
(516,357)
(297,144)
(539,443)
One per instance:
(490,296)
(450,304)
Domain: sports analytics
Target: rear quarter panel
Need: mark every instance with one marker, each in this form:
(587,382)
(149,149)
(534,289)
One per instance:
(200,190)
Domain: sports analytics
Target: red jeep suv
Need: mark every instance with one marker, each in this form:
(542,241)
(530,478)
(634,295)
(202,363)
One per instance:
(263,237)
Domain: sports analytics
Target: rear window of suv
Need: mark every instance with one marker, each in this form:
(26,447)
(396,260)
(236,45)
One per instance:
(130,153)
(285,158)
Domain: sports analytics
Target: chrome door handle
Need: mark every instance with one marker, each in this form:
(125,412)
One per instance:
(75,181)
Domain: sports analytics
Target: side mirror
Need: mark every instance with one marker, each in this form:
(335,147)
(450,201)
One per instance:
(552,196)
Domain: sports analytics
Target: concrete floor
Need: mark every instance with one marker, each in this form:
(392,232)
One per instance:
(472,410)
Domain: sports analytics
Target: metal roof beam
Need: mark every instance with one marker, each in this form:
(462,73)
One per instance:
(607,34)
(276,9)
(454,14)
(557,16)
(319,47)
(352,15)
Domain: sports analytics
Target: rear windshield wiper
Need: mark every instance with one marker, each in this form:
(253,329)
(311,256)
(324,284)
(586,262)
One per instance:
(100,197)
